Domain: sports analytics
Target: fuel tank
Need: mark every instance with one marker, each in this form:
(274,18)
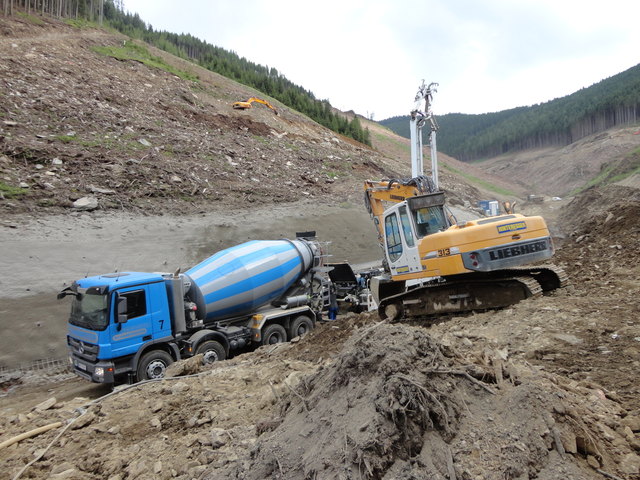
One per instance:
(240,279)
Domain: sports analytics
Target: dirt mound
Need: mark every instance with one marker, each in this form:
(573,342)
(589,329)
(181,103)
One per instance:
(604,235)
(397,404)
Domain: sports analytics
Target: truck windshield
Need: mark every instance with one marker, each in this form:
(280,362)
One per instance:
(90,311)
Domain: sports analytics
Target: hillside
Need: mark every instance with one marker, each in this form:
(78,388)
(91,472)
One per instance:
(152,133)
(77,122)
(612,102)
(612,156)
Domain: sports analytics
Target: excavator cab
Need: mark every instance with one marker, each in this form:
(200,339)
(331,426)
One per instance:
(429,214)
(405,226)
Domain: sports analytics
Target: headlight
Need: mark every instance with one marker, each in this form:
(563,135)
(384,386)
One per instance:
(99,372)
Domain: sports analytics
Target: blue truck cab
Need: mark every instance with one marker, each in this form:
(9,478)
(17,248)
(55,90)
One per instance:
(116,316)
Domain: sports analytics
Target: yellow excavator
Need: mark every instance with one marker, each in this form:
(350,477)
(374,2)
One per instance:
(434,264)
(247,104)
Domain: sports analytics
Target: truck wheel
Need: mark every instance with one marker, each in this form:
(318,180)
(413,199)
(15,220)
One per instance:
(300,326)
(212,351)
(153,365)
(273,333)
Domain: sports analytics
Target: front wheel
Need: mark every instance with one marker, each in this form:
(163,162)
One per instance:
(212,351)
(153,365)
(273,334)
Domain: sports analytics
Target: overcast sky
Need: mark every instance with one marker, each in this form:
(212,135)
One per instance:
(371,55)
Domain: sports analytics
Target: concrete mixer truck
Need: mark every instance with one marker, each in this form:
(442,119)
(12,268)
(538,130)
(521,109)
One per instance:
(132,325)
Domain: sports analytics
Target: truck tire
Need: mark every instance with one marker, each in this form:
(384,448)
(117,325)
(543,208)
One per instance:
(273,334)
(300,326)
(153,365)
(212,351)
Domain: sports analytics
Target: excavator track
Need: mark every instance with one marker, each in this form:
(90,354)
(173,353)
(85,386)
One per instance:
(473,291)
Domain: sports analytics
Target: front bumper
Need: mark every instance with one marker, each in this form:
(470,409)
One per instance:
(99,372)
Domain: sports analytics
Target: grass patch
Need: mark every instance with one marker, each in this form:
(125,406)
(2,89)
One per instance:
(80,23)
(132,51)
(31,18)
(382,138)
(11,192)
(614,172)
(65,138)
(478,181)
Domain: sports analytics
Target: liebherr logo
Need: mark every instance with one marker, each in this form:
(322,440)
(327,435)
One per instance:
(518,250)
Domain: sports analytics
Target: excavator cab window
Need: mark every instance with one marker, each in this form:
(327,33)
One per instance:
(392,234)
(430,220)
(406,226)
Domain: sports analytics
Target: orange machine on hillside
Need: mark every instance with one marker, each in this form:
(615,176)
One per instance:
(247,104)
(434,264)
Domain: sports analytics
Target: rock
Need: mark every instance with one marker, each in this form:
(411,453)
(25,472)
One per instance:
(10,123)
(196,472)
(83,420)
(156,423)
(86,203)
(23,185)
(61,468)
(157,467)
(46,405)
(104,191)
(179,388)
(569,442)
(632,421)
(570,339)
(56,161)
(176,179)
(630,464)
(69,473)
(593,461)
(185,367)
(144,142)
(628,434)
(218,437)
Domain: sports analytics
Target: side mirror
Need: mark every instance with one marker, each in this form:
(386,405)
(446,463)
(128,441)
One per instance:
(121,303)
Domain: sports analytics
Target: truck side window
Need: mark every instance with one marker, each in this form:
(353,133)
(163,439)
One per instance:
(394,241)
(406,226)
(136,303)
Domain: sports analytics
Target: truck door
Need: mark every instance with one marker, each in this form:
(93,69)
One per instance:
(400,242)
(127,337)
